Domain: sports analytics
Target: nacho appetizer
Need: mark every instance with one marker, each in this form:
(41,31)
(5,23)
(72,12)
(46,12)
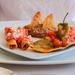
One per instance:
(17,38)
(52,36)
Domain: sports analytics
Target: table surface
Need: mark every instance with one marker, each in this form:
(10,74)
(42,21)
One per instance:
(67,69)
(24,10)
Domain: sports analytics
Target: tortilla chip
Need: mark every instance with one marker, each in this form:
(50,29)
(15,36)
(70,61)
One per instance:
(37,19)
(49,22)
(51,49)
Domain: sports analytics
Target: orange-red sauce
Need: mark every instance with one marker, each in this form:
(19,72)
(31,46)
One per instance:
(70,37)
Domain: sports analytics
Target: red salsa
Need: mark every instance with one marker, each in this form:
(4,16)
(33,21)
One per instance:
(18,34)
(57,42)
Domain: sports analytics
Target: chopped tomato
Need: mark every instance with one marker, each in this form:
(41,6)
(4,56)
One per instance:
(9,37)
(72,38)
(19,39)
(52,37)
(64,43)
(57,43)
(8,30)
(25,32)
(72,28)
(54,33)
(19,28)
(50,33)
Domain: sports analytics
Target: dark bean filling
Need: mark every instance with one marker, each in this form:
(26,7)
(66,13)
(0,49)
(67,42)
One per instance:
(37,31)
(24,46)
(12,46)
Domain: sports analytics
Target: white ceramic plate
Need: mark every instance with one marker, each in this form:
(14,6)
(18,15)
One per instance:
(27,53)
(9,58)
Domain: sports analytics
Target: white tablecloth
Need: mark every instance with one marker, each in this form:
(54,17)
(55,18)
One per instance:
(24,10)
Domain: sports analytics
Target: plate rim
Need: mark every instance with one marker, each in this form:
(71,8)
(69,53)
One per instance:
(37,62)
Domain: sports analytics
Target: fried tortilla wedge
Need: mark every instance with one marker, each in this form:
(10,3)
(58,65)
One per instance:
(39,28)
(50,23)
(39,49)
(57,49)
(37,19)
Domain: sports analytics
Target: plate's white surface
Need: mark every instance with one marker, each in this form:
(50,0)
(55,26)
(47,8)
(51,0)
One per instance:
(9,58)
(27,53)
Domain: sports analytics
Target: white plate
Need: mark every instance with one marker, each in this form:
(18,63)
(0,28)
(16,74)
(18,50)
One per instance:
(27,53)
(9,58)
